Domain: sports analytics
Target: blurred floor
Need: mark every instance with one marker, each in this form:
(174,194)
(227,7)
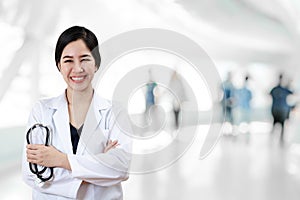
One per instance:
(11,185)
(246,166)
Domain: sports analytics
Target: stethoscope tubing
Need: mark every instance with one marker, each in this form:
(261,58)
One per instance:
(34,167)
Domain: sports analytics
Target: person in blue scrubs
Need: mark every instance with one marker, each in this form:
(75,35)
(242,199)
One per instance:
(280,108)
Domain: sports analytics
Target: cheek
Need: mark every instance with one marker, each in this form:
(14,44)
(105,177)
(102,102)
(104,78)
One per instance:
(92,69)
(64,71)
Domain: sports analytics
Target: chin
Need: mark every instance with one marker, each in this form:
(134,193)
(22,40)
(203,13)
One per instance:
(80,88)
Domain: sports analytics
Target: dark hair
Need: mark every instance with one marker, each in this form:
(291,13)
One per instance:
(75,33)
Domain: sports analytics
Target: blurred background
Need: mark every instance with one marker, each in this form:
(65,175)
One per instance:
(251,43)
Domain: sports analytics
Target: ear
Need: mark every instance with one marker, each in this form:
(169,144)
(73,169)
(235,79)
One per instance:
(59,66)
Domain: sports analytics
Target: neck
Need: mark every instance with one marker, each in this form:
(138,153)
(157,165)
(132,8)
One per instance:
(79,97)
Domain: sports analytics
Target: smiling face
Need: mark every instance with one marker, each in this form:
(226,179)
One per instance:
(77,66)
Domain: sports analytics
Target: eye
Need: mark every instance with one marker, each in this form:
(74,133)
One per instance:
(85,60)
(68,61)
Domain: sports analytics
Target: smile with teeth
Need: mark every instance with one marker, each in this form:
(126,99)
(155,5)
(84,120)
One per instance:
(77,78)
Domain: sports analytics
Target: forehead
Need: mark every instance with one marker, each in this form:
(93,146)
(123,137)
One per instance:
(74,48)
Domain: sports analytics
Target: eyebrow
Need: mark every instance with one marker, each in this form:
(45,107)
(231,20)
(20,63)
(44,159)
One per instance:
(85,55)
(67,57)
(82,56)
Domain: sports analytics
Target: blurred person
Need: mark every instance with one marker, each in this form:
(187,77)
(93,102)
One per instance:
(150,97)
(280,108)
(177,88)
(81,168)
(293,105)
(228,98)
(243,98)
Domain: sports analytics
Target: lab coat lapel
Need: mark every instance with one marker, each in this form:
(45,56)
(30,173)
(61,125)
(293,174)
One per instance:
(61,122)
(91,124)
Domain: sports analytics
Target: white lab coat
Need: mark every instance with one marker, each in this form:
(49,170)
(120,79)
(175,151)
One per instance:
(102,173)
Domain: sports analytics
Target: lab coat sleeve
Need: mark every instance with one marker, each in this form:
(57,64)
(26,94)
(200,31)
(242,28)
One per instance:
(110,168)
(63,184)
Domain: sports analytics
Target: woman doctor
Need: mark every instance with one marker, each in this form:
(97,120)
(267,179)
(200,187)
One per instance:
(89,152)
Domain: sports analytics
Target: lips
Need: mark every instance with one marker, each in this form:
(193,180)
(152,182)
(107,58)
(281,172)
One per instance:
(77,79)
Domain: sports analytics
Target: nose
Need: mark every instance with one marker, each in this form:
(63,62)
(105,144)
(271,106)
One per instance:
(77,67)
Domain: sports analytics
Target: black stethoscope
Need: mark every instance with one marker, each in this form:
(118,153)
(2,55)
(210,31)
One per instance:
(34,167)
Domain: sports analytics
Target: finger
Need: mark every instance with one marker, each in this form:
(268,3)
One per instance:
(31,146)
(112,143)
(110,146)
(31,152)
(32,159)
(108,142)
(115,145)
(34,146)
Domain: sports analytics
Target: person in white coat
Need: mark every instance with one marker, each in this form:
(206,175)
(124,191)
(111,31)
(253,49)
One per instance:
(89,150)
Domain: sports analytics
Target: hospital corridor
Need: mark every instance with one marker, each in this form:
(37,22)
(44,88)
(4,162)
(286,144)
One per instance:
(240,167)
(210,91)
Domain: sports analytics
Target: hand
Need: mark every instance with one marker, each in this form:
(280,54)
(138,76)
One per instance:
(47,156)
(110,145)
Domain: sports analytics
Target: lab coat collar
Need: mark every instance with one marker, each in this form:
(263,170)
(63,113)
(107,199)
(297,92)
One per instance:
(98,102)
(61,120)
